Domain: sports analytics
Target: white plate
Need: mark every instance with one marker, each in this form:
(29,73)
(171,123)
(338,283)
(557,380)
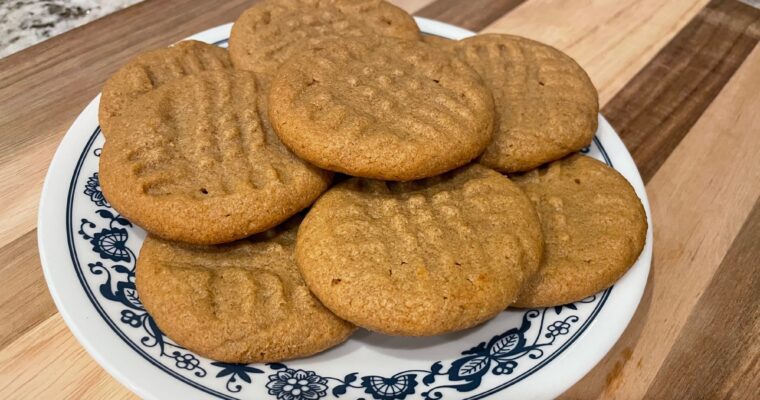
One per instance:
(88,254)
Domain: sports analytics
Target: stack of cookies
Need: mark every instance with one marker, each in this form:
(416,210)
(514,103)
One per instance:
(441,178)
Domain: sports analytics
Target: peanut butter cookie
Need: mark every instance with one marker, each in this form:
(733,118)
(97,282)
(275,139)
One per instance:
(242,302)
(594,229)
(196,161)
(152,69)
(420,258)
(381,108)
(271,31)
(546,105)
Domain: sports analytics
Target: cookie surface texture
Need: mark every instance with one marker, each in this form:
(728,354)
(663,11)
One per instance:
(420,258)
(594,229)
(241,302)
(153,69)
(198,162)
(546,105)
(440,42)
(272,31)
(381,108)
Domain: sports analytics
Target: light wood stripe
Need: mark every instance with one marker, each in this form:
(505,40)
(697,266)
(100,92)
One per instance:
(472,14)
(411,6)
(658,107)
(27,301)
(722,331)
(714,166)
(48,363)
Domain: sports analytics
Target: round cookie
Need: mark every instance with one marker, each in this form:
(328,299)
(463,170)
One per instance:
(546,105)
(242,302)
(153,69)
(196,161)
(420,258)
(381,108)
(272,31)
(594,229)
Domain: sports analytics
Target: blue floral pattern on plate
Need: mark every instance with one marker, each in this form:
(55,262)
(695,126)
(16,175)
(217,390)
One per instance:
(290,384)
(92,189)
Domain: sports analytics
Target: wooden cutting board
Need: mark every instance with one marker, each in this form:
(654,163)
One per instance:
(679,80)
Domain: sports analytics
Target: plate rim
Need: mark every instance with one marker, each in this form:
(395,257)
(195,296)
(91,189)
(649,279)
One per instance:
(613,323)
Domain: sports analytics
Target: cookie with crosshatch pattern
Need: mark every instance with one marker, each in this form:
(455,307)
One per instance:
(381,108)
(240,302)
(152,69)
(546,105)
(594,228)
(197,161)
(272,31)
(420,258)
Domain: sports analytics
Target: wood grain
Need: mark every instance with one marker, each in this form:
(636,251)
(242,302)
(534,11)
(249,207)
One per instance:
(662,102)
(612,40)
(729,365)
(26,302)
(411,6)
(48,363)
(700,154)
(473,14)
(700,198)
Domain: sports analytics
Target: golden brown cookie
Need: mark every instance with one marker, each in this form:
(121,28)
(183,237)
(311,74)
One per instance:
(242,302)
(272,31)
(546,105)
(196,161)
(420,258)
(381,108)
(440,42)
(594,229)
(152,69)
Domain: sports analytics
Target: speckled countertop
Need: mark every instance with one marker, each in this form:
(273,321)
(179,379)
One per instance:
(27,22)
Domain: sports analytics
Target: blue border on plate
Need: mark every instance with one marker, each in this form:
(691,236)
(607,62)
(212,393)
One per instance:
(147,357)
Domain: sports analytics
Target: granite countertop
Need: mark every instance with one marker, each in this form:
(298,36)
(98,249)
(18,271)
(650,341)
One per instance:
(24,23)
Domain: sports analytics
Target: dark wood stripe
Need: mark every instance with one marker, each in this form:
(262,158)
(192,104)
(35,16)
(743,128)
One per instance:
(722,330)
(473,15)
(24,300)
(656,109)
